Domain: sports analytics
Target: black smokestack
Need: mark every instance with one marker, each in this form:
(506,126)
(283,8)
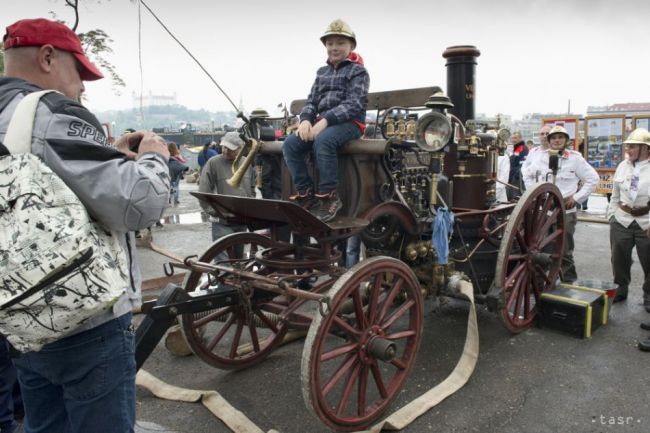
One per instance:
(461,79)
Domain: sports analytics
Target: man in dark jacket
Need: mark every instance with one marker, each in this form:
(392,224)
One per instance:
(84,382)
(519,154)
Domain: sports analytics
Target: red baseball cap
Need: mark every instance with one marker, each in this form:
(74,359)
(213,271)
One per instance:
(38,32)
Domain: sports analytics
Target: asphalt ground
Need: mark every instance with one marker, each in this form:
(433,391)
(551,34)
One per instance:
(537,381)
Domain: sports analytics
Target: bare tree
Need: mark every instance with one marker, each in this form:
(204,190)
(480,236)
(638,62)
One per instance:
(96,44)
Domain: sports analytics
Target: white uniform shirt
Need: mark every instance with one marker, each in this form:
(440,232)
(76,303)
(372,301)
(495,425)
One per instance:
(503,173)
(572,169)
(631,192)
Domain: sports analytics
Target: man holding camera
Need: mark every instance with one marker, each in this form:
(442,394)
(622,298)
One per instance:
(85,381)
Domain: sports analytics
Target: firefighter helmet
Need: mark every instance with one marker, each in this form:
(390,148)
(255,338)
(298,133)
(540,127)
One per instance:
(340,28)
(638,136)
(557,129)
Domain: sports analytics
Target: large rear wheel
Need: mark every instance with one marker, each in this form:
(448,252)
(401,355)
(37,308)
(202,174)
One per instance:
(530,254)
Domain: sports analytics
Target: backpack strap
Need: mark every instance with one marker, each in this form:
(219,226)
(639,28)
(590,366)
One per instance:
(19,132)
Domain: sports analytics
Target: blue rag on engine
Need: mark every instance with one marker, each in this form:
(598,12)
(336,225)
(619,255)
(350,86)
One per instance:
(442,227)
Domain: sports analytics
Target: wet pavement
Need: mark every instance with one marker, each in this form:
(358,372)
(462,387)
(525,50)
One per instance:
(538,381)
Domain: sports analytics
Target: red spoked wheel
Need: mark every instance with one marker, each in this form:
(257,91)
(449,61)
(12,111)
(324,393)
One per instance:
(357,357)
(236,336)
(530,254)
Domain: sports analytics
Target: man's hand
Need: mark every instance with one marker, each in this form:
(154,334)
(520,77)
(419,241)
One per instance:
(128,143)
(318,128)
(569,203)
(135,144)
(304,130)
(153,143)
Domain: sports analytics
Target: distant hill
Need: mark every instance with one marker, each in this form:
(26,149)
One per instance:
(169,117)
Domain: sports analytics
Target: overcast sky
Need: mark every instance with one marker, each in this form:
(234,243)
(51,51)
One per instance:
(535,54)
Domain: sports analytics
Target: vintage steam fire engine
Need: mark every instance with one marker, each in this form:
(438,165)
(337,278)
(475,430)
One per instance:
(247,290)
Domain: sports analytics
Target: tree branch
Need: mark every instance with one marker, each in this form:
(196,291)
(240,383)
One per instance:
(74,4)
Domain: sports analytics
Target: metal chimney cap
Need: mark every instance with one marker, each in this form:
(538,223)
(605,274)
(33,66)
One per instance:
(461,50)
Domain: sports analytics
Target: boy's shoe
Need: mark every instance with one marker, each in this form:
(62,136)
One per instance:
(330,204)
(305,200)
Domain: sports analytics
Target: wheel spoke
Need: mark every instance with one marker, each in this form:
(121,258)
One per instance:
(362,322)
(339,351)
(514,274)
(392,293)
(217,338)
(253,333)
(535,285)
(526,293)
(362,391)
(523,245)
(374,299)
(213,316)
(547,223)
(376,375)
(343,369)
(397,314)
(513,257)
(514,295)
(550,238)
(542,273)
(399,335)
(236,338)
(259,313)
(399,363)
(345,397)
(345,327)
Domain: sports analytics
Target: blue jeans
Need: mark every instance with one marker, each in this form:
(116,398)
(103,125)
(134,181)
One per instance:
(82,383)
(175,192)
(352,251)
(220,230)
(325,147)
(9,390)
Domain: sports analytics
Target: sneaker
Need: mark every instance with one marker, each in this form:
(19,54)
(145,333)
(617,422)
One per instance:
(330,204)
(305,200)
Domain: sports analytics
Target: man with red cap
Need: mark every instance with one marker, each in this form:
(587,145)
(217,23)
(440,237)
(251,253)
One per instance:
(85,381)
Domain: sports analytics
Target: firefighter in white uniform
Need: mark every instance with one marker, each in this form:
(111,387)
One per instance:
(572,169)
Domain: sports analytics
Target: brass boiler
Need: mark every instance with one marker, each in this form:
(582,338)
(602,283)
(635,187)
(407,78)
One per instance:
(252,146)
(475,171)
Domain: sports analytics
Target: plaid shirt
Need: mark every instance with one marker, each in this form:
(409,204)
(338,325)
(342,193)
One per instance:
(339,94)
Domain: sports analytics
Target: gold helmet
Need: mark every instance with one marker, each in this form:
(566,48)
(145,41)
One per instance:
(557,129)
(340,28)
(638,136)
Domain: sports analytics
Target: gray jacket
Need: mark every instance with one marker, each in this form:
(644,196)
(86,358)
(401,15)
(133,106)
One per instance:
(121,194)
(214,177)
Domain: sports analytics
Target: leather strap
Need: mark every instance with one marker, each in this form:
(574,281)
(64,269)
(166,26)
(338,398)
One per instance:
(635,211)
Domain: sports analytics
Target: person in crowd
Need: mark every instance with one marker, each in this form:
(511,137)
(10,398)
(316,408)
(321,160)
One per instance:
(503,173)
(529,145)
(335,113)
(84,382)
(213,180)
(629,215)
(206,153)
(573,169)
(543,144)
(177,168)
(517,158)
